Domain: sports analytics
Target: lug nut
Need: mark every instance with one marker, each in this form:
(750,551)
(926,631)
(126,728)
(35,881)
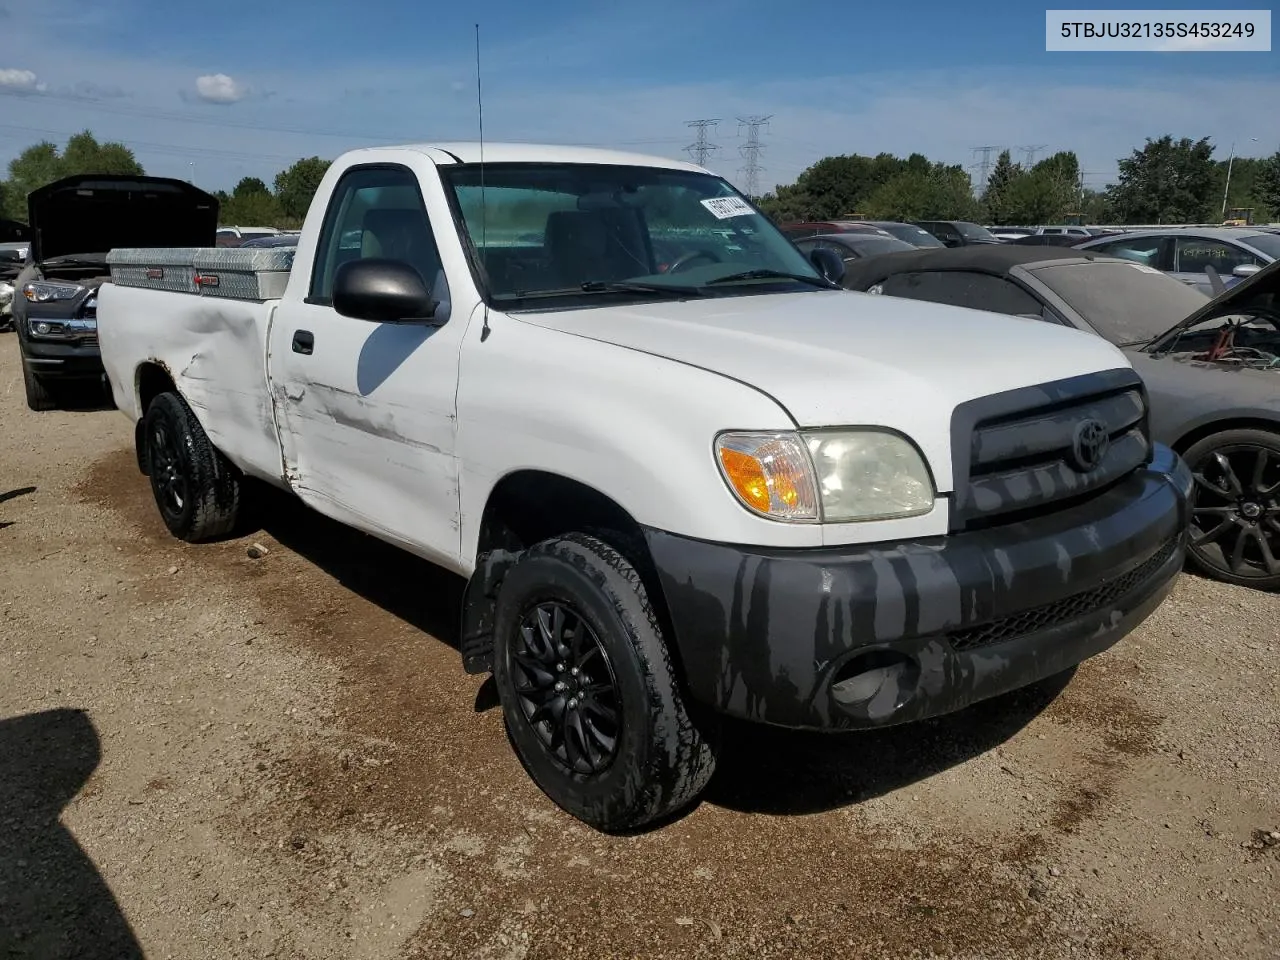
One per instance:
(574,671)
(573,703)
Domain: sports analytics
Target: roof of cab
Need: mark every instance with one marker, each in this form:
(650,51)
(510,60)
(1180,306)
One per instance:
(500,152)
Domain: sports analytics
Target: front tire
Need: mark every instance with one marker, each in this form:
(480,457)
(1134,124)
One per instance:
(196,488)
(1235,507)
(588,689)
(39,397)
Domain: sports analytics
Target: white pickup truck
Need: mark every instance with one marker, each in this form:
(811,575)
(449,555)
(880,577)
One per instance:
(685,473)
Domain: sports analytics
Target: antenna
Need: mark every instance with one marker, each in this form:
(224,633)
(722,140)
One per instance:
(484,213)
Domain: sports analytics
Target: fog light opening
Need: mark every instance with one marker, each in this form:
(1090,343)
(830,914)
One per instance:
(878,675)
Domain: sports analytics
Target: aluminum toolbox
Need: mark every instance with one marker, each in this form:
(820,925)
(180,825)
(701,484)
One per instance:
(228,272)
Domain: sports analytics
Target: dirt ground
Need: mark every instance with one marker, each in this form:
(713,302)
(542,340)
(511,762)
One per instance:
(206,755)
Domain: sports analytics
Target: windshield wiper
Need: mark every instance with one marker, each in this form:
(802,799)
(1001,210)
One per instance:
(776,275)
(637,286)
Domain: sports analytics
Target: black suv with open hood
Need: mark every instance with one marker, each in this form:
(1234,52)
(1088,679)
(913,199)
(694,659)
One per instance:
(75,222)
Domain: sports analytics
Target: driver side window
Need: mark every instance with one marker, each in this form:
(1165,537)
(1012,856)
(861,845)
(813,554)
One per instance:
(376,212)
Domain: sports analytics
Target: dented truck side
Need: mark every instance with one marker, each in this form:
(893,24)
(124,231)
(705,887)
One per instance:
(676,491)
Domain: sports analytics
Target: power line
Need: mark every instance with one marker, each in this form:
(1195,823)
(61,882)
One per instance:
(750,152)
(701,148)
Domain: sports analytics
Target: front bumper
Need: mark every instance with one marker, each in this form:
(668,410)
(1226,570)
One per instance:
(871,636)
(63,359)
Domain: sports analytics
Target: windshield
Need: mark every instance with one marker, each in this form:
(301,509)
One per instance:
(971,231)
(1268,243)
(546,230)
(916,236)
(1127,303)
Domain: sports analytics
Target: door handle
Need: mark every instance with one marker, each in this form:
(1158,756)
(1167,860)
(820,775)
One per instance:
(304,342)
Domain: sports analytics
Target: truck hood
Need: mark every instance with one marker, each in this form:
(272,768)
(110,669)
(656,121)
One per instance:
(93,213)
(837,358)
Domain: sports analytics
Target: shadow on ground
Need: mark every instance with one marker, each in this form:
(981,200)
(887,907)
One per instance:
(10,495)
(418,592)
(53,902)
(766,770)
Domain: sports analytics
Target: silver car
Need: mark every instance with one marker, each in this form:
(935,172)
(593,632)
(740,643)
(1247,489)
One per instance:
(1187,253)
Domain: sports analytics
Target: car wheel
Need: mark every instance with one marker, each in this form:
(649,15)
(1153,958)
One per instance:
(1235,507)
(588,689)
(196,488)
(39,397)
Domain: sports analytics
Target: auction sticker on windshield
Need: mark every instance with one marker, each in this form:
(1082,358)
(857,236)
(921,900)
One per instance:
(722,208)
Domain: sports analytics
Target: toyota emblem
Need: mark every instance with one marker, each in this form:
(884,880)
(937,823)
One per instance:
(1090,445)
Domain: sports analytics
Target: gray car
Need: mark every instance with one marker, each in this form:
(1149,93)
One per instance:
(1186,252)
(1211,368)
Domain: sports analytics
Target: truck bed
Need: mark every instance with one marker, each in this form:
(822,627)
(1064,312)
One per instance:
(203,315)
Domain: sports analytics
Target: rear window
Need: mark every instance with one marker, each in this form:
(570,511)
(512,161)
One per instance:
(1125,302)
(913,235)
(1268,243)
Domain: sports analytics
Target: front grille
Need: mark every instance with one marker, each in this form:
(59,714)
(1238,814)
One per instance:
(1022,460)
(1060,611)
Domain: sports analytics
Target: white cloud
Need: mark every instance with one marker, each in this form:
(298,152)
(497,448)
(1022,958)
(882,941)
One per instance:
(21,81)
(220,88)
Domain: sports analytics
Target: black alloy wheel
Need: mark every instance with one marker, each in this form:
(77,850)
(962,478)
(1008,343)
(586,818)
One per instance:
(1235,507)
(566,686)
(164,466)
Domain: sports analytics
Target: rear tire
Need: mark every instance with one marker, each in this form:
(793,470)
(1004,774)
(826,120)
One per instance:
(576,637)
(39,397)
(196,488)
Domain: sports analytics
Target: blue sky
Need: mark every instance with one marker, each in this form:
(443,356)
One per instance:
(249,88)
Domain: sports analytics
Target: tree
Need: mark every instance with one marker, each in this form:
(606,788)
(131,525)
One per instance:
(1267,185)
(1166,181)
(1046,193)
(250,186)
(995,197)
(298,184)
(42,163)
(943,193)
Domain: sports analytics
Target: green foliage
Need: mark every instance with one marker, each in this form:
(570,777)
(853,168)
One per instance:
(835,187)
(1267,186)
(1167,181)
(940,193)
(42,163)
(296,186)
(996,197)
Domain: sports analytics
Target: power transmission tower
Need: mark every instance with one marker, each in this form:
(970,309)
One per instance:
(1031,150)
(984,166)
(750,152)
(701,148)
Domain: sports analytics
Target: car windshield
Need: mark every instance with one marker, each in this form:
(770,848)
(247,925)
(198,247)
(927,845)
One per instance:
(1268,243)
(1127,303)
(971,231)
(572,232)
(916,236)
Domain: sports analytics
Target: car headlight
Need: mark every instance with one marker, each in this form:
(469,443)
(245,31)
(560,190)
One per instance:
(42,291)
(833,476)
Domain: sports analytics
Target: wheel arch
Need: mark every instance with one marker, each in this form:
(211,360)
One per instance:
(1195,434)
(150,379)
(525,507)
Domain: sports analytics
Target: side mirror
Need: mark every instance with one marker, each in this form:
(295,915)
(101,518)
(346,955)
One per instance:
(382,291)
(828,262)
(1245,270)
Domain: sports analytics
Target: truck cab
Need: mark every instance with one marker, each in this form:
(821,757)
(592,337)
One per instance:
(681,485)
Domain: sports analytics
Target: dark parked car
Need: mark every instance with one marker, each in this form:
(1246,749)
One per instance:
(958,233)
(1211,368)
(853,246)
(1050,240)
(75,223)
(275,240)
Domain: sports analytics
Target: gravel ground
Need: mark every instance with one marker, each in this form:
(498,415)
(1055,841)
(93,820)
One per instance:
(210,755)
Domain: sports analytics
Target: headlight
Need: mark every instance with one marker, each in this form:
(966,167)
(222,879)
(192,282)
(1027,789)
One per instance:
(835,476)
(42,291)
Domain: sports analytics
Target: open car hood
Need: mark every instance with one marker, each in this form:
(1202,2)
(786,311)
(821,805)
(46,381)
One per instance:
(1263,283)
(94,213)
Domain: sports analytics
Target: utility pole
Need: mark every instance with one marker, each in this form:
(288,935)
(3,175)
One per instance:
(701,148)
(1031,150)
(984,166)
(750,152)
